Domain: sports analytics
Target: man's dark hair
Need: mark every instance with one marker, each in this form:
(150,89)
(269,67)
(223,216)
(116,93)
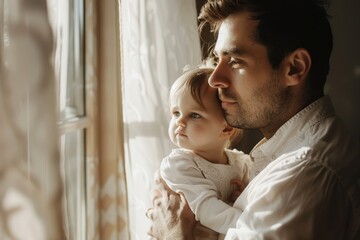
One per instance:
(284,25)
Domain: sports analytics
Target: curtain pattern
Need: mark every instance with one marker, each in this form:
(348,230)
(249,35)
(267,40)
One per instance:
(91,99)
(30,186)
(159,38)
(110,179)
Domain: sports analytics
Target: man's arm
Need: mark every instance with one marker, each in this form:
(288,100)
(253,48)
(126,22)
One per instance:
(171,216)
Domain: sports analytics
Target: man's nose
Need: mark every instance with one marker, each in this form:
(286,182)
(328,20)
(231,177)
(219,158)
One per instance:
(220,76)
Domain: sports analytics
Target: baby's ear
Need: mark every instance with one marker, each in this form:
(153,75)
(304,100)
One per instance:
(228,130)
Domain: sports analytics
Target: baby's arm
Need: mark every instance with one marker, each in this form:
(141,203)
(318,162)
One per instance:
(183,176)
(243,164)
(217,215)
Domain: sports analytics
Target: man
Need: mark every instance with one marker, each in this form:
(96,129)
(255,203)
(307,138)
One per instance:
(273,60)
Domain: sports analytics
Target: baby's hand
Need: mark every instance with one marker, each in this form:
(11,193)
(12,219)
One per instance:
(238,189)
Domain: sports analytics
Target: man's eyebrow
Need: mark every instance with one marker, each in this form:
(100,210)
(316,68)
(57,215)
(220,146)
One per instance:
(231,51)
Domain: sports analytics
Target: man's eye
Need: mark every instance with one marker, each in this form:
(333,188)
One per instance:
(236,63)
(215,61)
(212,61)
(176,114)
(195,115)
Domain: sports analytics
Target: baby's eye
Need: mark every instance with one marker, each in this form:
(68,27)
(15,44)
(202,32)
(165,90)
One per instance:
(195,115)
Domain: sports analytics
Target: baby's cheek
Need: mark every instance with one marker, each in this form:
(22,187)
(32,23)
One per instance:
(201,132)
(171,131)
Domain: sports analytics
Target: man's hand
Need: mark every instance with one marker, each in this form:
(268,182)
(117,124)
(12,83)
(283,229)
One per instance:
(171,216)
(239,188)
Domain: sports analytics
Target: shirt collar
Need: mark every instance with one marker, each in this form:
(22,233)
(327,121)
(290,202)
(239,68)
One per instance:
(293,130)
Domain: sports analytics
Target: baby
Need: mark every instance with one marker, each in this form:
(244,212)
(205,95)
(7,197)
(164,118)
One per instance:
(203,168)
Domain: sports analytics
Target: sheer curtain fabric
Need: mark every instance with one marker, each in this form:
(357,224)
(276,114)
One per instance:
(159,38)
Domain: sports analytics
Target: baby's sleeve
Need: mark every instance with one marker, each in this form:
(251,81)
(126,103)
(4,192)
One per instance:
(182,175)
(242,164)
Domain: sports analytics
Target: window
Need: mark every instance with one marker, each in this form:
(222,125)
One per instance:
(87,66)
(67,21)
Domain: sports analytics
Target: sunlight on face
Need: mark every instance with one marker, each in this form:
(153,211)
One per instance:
(193,126)
(253,94)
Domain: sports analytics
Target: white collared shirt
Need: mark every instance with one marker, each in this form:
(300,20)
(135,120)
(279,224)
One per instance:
(306,181)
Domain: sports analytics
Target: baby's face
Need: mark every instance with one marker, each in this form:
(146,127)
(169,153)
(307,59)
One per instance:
(193,126)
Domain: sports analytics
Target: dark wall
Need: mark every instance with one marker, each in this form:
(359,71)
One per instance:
(343,84)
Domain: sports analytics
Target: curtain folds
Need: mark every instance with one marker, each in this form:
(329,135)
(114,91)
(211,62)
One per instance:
(92,133)
(159,38)
(107,174)
(30,182)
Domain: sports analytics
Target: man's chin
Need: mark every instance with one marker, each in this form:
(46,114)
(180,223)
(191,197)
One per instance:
(235,122)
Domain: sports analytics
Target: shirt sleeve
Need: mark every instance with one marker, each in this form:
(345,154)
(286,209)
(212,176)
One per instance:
(290,199)
(182,175)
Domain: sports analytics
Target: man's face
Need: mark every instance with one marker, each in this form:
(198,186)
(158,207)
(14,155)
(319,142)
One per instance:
(253,94)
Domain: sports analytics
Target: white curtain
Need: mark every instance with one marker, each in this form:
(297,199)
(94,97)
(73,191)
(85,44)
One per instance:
(30,182)
(159,38)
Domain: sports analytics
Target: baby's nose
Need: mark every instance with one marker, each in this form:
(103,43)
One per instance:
(181,122)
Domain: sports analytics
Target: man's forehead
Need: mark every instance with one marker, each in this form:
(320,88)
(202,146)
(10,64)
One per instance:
(235,31)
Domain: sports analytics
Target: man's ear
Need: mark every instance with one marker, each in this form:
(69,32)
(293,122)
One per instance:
(298,64)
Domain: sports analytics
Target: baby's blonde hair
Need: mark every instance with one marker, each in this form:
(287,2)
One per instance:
(235,137)
(194,79)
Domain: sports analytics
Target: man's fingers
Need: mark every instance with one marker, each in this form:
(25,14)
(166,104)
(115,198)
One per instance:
(239,183)
(155,195)
(157,177)
(234,196)
(161,183)
(147,214)
(150,232)
(236,181)
(173,201)
(150,214)
(166,214)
